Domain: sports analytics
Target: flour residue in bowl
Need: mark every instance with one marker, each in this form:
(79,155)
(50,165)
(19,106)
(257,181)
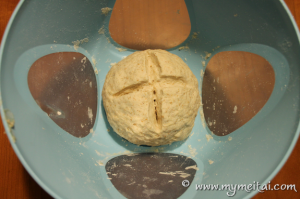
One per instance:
(90,114)
(106,10)
(78,42)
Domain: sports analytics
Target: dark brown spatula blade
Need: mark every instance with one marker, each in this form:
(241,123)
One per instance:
(64,86)
(151,175)
(236,85)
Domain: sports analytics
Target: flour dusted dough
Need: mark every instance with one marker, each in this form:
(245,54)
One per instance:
(151,98)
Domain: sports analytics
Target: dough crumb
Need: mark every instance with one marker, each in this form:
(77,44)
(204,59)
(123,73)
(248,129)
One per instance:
(131,183)
(203,63)
(100,163)
(195,35)
(216,48)
(98,153)
(112,64)
(192,151)
(90,114)
(83,60)
(121,49)
(85,40)
(229,138)
(106,10)
(183,48)
(202,116)
(96,71)
(101,31)
(210,161)
(192,167)
(207,55)
(234,109)
(208,137)
(94,61)
(201,73)
(180,173)
(10,120)
(78,42)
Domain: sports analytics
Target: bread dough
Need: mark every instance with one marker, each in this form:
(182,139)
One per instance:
(151,98)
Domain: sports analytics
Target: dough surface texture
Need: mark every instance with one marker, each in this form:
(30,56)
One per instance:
(151,98)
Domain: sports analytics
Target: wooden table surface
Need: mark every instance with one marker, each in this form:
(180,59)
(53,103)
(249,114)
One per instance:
(16,182)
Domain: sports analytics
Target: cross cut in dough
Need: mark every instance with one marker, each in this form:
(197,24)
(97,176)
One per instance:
(151,98)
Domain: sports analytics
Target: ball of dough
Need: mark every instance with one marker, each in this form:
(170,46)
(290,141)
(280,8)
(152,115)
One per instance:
(151,98)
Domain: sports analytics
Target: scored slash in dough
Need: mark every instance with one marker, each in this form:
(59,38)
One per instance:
(151,98)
